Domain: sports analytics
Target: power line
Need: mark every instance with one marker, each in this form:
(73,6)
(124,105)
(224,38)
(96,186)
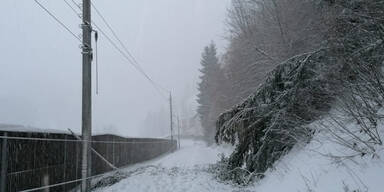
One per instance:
(116,36)
(127,55)
(57,20)
(97,66)
(114,33)
(77,5)
(72,8)
(129,60)
(126,49)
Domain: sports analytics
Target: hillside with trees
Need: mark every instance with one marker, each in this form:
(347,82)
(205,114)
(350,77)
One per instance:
(291,63)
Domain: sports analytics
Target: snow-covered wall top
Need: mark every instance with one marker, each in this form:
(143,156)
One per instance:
(21,128)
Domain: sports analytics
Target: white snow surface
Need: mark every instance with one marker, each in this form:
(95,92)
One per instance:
(181,171)
(21,128)
(322,165)
(310,169)
(307,168)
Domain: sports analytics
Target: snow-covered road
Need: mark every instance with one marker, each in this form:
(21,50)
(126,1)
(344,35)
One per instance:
(185,170)
(182,171)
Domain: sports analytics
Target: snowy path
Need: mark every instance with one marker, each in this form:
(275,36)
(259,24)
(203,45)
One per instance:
(301,170)
(181,171)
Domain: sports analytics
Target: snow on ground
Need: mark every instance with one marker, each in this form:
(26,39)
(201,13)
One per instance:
(193,153)
(305,168)
(325,166)
(184,170)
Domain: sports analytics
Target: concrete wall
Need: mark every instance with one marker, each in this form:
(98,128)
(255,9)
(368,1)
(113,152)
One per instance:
(33,163)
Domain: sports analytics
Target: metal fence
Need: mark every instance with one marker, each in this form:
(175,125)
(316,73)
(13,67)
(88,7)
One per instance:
(52,162)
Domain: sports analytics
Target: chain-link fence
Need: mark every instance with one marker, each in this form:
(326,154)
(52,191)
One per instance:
(52,161)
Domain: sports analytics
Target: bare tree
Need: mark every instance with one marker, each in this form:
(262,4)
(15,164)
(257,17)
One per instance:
(263,34)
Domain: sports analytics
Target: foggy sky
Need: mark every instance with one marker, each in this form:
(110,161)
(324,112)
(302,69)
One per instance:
(40,74)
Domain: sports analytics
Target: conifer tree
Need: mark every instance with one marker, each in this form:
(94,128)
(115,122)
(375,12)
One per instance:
(208,91)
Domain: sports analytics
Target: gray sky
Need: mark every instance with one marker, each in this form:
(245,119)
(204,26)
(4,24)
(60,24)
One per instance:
(40,74)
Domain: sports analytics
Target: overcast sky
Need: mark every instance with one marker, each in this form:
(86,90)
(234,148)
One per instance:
(40,74)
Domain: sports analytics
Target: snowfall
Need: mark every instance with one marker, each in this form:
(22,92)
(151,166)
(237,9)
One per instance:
(307,168)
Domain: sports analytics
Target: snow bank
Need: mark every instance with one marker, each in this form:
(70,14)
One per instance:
(306,168)
(325,166)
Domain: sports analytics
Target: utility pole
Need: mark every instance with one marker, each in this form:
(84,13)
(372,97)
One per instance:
(171,114)
(178,131)
(86,125)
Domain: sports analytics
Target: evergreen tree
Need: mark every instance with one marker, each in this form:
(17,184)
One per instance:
(208,91)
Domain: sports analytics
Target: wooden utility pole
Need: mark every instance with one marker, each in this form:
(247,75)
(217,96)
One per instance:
(171,114)
(178,131)
(86,125)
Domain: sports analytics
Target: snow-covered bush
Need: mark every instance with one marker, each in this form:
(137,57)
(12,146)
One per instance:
(270,122)
(357,42)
